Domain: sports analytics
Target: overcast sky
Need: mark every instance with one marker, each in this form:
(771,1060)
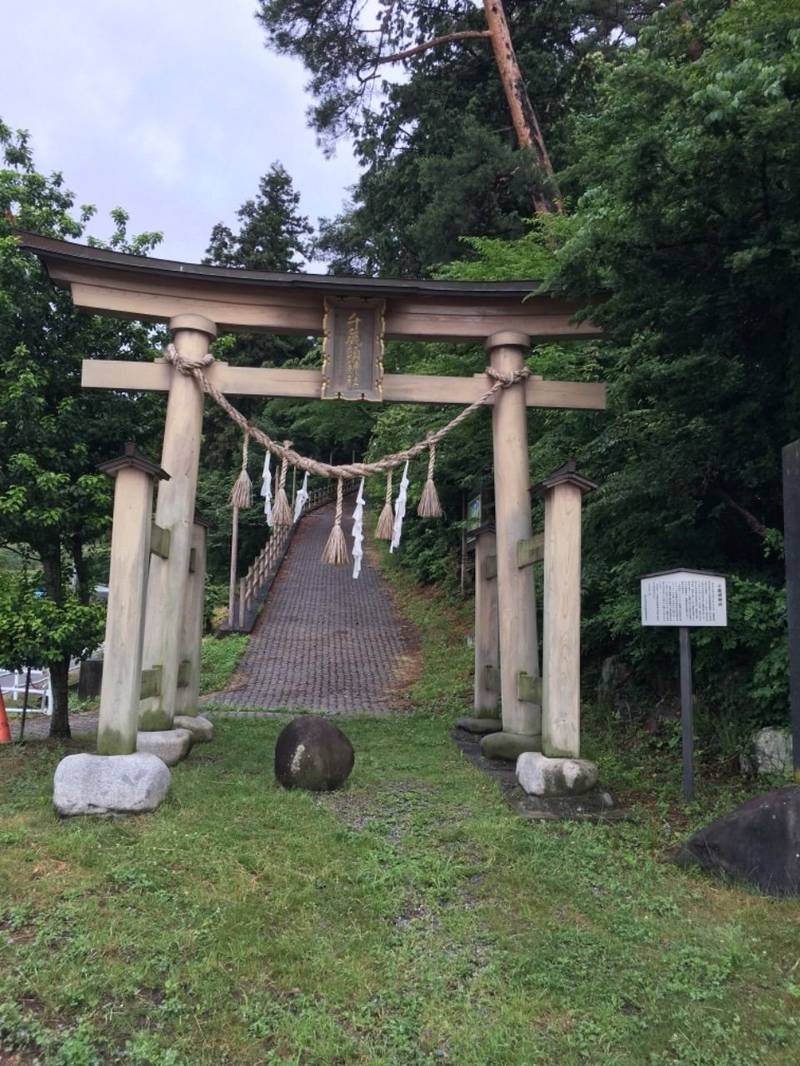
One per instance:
(172,109)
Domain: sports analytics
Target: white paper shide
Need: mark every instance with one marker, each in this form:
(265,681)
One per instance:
(266,489)
(358,531)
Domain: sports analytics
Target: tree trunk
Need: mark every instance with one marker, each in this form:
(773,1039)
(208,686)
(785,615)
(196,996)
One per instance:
(546,197)
(59,681)
(59,671)
(25,704)
(83,588)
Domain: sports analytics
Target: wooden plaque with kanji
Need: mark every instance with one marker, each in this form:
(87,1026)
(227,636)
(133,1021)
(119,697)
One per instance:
(353,350)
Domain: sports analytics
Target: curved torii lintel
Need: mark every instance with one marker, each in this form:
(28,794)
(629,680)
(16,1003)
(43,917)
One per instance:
(132,286)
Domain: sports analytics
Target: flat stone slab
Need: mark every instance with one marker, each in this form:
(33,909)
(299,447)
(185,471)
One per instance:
(170,745)
(539,775)
(758,842)
(479,726)
(109,784)
(201,729)
(597,805)
(509,745)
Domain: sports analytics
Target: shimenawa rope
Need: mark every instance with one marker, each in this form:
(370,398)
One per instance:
(195,367)
(389,523)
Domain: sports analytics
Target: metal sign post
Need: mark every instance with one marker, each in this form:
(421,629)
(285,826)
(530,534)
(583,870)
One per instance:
(687,714)
(791,541)
(684,598)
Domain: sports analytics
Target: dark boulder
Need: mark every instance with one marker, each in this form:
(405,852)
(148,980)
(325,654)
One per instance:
(314,754)
(759,842)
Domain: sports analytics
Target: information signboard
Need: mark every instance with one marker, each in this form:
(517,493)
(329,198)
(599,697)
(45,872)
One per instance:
(684,598)
(474,512)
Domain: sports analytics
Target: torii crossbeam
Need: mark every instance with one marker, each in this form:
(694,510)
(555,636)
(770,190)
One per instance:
(196,301)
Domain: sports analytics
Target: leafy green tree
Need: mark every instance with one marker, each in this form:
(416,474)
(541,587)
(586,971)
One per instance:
(433,131)
(687,242)
(272,234)
(53,502)
(34,629)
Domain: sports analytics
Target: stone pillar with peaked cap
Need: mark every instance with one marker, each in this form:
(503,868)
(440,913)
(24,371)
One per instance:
(134,477)
(563,493)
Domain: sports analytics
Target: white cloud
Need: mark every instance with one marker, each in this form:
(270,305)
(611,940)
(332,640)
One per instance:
(172,110)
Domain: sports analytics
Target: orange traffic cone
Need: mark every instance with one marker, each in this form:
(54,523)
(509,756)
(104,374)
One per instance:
(5,729)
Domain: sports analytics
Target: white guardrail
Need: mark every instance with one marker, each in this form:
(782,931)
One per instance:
(12,684)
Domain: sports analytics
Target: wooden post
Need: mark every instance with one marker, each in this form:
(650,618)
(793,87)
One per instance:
(687,714)
(234,566)
(487,634)
(188,694)
(561,660)
(791,541)
(166,595)
(127,590)
(519,657)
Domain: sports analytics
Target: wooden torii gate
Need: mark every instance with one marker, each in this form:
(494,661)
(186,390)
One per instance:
(196,301)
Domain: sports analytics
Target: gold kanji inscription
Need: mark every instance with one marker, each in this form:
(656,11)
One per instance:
(352,367)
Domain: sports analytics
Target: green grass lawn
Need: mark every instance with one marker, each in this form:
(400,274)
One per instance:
(219,658)
(410,918)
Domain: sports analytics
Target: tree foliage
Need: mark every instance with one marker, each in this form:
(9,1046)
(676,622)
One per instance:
(434,133)
(34,629)
(273,235)
(685,239)
(53,502)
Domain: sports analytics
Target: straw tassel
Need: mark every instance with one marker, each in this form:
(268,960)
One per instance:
(429,506)
(242,491)
(336,553)
(281,511)
(383,530)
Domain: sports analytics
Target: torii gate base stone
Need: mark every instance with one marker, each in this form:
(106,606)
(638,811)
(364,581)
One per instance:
(155,610)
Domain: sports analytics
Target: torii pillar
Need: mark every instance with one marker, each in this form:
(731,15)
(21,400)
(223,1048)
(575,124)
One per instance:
(175,510)
(520,698)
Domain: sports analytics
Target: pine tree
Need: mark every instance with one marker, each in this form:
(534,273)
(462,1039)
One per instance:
(272,234)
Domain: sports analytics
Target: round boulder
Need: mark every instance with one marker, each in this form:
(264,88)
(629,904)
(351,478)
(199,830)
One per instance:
(312,753)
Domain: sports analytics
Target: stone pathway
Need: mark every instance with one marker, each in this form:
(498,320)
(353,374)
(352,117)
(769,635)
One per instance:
(325,642)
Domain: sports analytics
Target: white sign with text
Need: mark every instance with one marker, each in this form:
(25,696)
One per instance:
(684,598)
